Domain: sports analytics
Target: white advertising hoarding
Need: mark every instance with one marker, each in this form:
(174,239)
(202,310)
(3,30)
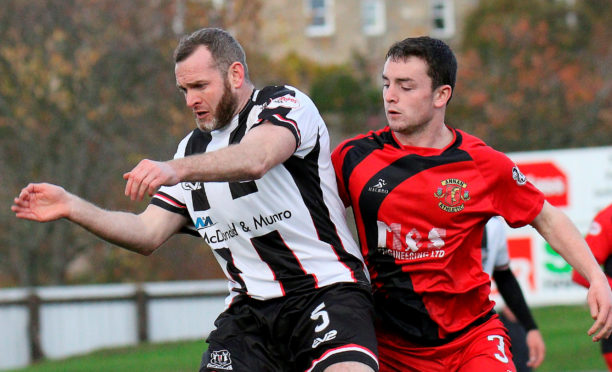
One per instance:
(579,182)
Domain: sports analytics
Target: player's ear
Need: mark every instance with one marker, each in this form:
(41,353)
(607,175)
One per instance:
(235,75)
(442,95)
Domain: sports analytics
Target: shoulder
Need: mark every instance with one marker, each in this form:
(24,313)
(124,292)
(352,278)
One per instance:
(286,96)
(486,157)
(367,141)
(193,142)
(605,215)
(607,211)
(475,145)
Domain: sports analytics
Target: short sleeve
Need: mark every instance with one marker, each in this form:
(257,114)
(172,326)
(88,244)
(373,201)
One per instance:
(512,195)
(337,158)
(290,108)
(172,198)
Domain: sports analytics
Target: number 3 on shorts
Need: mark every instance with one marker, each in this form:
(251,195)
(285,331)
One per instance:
(501,356)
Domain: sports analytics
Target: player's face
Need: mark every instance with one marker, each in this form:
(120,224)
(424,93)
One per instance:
(207,91)
(407,95)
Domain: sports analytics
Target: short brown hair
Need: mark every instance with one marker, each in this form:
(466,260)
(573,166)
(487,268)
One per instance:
(224,49)
(440,59)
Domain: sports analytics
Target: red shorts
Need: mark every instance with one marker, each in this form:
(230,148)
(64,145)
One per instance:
(483,348)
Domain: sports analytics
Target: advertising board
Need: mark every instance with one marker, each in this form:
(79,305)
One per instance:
(579,182)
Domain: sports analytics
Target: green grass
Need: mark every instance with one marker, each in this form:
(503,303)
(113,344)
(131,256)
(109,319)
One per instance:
(564,328)
(568,347)
(168,357)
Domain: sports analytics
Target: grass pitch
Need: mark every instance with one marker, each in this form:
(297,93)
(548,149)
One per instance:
(564,328)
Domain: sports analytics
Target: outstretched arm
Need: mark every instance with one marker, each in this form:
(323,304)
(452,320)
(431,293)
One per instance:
(261,148)
(564,237)
(142,233)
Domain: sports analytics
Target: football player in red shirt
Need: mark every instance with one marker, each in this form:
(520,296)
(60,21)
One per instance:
(421,193)
(599,239)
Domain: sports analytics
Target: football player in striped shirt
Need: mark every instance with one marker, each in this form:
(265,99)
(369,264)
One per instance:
(256,183)
(421,192)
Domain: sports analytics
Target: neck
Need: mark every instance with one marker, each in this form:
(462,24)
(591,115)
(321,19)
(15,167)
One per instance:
(436,137)
(244,95)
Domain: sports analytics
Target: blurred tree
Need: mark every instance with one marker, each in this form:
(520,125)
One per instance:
(88,90)
(534,74)
(348,100)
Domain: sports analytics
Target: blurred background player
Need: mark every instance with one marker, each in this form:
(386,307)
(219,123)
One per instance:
(599,239)
(528,348)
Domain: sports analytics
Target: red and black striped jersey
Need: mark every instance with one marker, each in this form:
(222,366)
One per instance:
(599,236)
(599,239)
(282,233)
(420,215)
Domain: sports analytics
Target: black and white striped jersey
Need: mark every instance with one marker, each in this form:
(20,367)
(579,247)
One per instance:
(494,246)
(284,232)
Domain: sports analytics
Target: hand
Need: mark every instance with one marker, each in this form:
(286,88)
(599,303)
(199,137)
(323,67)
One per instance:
(599,299)
(41,202)
(537,349)
(147,177)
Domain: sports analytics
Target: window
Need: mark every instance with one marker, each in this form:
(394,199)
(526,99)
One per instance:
(373,16)
(321,14)
(442,18)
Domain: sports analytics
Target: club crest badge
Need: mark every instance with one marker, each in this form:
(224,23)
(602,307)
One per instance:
(452,195)
(518,176)
(220,359)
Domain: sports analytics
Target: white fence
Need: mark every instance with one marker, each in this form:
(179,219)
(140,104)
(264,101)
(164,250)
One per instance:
(56,322)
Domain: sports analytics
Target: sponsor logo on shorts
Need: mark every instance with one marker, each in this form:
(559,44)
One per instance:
(327,337)
(321,314)
(220,359)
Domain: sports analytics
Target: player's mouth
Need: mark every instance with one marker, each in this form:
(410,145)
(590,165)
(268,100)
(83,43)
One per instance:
(393,113)
(200,114)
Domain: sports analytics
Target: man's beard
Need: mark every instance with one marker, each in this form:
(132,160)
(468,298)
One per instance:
(224,112)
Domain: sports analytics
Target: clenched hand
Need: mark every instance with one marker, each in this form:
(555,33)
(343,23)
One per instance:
(147,177)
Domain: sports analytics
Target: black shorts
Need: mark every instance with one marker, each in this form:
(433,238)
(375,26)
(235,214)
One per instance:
(518,339)
(302,332)
(606,345)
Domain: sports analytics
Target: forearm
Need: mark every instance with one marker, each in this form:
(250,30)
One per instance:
(579,279)
(262,148)
(123,229)
(564,238)
(233,163)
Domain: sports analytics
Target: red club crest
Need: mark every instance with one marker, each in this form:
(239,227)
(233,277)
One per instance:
(452,195)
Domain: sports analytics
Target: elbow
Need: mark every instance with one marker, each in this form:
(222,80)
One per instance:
(147,252)
(256,170)
(145,249)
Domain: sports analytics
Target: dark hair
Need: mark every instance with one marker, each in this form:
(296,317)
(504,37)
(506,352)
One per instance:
(224,49)
(440,59)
